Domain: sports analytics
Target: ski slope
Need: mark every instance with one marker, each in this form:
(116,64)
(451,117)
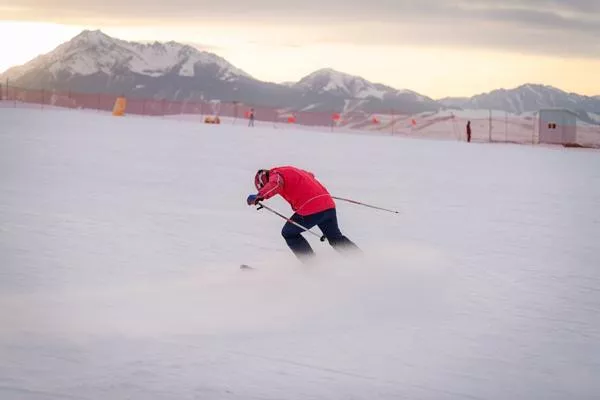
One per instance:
(120,241)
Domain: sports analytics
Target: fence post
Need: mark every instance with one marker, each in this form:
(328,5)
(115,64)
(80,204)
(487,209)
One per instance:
(333,120)
(506,126)
(534,122)
(490,126)
(457,134)
(235,111)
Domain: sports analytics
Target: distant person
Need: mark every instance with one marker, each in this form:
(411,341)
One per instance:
(469,131)
(312,205)
(251,117)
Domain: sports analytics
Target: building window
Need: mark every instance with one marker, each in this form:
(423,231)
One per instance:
(551,125)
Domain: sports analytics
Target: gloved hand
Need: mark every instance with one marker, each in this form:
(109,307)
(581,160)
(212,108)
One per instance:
(253,199)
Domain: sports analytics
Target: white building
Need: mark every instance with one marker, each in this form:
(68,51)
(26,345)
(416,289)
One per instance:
(557,126)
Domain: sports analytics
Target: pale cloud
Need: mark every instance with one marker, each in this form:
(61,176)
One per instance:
(551,27)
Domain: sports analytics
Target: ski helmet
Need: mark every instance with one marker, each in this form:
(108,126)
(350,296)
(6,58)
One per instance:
(261,178)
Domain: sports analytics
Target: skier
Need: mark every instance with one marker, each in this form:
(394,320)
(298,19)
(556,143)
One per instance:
(469,131)
(312,205)
(251,117)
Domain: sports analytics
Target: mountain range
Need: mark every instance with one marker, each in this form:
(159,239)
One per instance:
(95,62)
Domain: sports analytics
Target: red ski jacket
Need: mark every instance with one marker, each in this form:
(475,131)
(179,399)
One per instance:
(298,187)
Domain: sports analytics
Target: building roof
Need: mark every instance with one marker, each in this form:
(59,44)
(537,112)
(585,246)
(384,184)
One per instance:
(559,109)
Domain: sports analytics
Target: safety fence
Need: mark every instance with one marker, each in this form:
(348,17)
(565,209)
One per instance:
(485,125)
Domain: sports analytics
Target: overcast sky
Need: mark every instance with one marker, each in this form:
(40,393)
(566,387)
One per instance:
(563,34)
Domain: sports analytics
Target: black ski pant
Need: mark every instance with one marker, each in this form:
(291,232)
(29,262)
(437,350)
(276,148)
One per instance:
(327,223)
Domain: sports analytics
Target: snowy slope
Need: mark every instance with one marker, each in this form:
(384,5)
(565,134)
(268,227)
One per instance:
(93,52)
(527,97)
(120,240)
(338,83)
(349,92)
(595,117)
(328,80)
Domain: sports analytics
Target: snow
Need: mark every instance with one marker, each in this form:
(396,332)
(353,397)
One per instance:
(120,240)
(342,83)
(416,96)
(535,92)
(511,102)
(336,82)
(521,106)
(93,51)
(594,117)
(370,92)
(309,107)
(187,69)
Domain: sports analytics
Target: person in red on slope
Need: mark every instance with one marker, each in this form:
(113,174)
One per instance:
(312,205)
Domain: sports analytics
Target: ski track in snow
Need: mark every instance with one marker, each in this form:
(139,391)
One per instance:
(121,240)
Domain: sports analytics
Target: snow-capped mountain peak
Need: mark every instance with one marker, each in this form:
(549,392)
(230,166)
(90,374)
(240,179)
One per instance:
(94,62)
(92,37)
(525,98)
(328,80)
(93,52)
(341,84)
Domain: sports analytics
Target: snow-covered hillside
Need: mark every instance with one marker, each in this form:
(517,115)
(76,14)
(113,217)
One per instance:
(120,240)
(341,84)
(527,97)
(93,52)
(351,93)
(338,83)
(595,117)
(94,62)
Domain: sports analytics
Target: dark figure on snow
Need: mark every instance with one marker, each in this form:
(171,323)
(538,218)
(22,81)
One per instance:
(312,205)
(469,131)
(251,117)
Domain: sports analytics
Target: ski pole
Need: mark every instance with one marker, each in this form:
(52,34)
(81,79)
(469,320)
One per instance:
(366,205)
(322,238)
